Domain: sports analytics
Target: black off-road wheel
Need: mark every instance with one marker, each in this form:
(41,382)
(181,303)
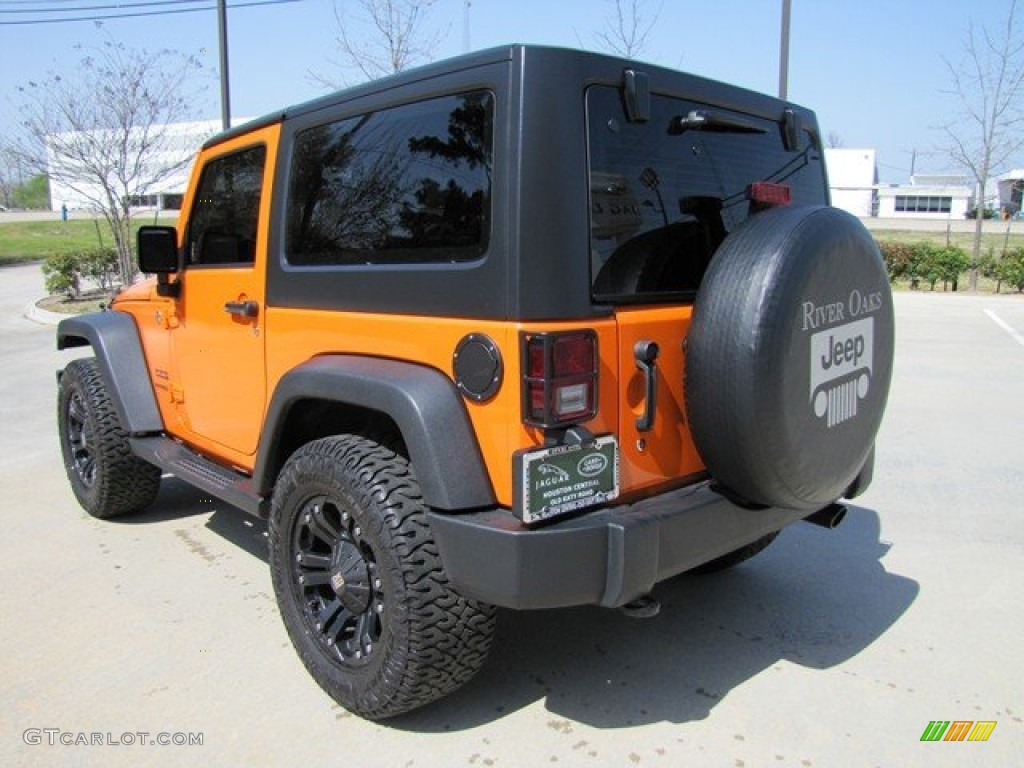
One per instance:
(737,556)
(360,584)
(107,478)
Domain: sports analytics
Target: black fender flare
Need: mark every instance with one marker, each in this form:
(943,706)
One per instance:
(114,339)
(423,403)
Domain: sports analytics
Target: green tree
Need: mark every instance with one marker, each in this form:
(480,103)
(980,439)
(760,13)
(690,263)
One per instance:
(34,194)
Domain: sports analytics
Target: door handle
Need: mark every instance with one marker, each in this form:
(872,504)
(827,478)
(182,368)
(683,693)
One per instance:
(242,308)
(645,353)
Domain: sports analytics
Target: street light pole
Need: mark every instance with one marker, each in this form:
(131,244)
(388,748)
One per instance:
(784,52)
(225,97)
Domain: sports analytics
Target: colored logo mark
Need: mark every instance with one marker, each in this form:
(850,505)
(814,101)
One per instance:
(958,730)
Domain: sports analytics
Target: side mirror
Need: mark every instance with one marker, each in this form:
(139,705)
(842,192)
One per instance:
(158,250)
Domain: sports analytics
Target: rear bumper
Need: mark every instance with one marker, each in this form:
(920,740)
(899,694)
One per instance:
(607,557)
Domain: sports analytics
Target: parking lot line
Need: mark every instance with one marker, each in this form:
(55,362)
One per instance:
(1005,326)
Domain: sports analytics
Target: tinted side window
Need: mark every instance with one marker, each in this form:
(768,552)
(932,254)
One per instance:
(222,226)
(405,185)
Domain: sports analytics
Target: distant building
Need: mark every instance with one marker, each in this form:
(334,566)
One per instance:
(852,180)
(1011,189)
(185,139)
(928,196)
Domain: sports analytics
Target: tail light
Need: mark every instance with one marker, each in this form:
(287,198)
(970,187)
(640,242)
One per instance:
(766,194)
(559,378)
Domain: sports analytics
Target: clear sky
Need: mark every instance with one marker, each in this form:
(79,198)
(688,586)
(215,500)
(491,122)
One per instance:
(872,69)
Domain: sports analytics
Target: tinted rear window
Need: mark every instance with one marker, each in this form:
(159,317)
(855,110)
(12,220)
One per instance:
(663,194)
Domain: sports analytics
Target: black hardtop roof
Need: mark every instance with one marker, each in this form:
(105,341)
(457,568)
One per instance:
(467,61)
(600,63)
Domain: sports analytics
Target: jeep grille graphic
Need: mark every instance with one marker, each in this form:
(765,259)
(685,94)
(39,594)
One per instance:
(842,403)
(842,360)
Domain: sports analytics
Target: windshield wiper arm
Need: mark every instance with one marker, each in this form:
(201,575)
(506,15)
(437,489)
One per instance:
(705,120)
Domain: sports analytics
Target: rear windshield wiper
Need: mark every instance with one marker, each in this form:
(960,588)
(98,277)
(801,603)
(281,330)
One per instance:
(705,120)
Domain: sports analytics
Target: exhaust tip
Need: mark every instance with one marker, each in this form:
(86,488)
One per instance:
(830,517)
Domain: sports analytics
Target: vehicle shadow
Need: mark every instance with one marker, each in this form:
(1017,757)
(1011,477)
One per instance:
(814,598)
(179,500)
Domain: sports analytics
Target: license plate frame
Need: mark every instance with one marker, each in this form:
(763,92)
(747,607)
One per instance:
(556,480)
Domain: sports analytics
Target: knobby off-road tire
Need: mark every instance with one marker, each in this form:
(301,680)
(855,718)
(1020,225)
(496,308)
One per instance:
(360,585)
(737,556)
(107,478)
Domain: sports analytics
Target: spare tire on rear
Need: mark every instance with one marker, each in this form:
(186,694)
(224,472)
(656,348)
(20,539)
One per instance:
(789,357)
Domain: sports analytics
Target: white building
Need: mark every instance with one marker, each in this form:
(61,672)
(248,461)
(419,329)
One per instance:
(852,179)
(1011,188)
(928,196)
(183,141)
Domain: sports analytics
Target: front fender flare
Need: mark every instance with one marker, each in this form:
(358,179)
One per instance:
(118,350)
(423,403)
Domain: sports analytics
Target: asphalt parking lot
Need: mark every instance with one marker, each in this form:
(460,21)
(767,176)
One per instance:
(831,648)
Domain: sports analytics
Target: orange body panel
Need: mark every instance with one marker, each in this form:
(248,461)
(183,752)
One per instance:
(296,335)
(208,366)
(666,451)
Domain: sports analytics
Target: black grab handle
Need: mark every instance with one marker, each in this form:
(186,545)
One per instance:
(646,352)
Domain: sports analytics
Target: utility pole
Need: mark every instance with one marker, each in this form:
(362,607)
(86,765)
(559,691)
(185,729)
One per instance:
(465,29)
(784,52)
(225,96)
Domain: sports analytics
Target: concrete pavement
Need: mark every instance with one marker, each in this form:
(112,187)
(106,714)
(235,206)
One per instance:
(829,649)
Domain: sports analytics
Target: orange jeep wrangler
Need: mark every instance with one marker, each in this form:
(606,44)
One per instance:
(527,328)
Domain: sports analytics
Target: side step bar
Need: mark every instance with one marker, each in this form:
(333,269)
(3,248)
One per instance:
(226,484)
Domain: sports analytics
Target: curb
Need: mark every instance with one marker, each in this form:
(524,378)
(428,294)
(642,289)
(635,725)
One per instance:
(42,316)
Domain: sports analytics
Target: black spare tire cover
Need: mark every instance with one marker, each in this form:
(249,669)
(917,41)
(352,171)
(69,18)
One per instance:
(789,357)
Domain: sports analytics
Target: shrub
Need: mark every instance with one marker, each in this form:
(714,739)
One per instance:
(923,261)
(948,264)
(1010,269)
(900,260)
(64,272)
(100,266)
(60,274)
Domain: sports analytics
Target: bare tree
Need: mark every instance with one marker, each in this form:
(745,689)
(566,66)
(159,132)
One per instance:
(8,175)
(628,28)
(988,130)
(102,130)
(834,140)
(391,36)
